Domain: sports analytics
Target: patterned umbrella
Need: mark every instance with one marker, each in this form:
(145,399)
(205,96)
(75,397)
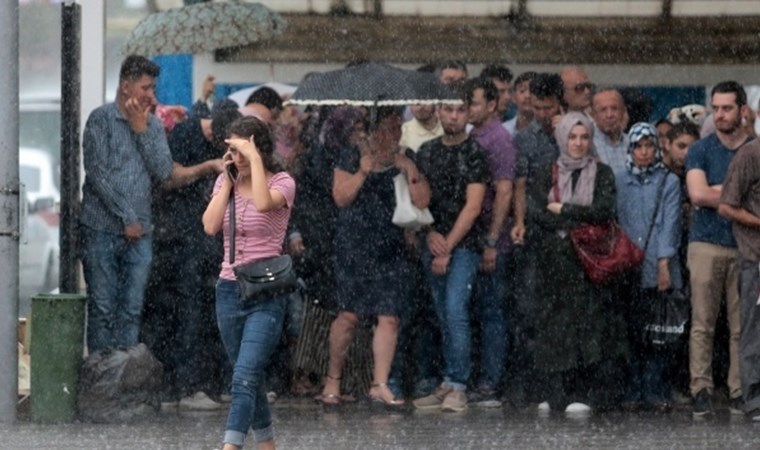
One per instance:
(371,84)
(204,27)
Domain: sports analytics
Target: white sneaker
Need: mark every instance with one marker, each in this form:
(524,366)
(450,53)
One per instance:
(225,398)
(169,404)
(544,407)
(271,397)
(199,402)
(578,409)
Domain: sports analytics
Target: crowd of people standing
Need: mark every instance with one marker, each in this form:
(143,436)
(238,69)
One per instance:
(489,304)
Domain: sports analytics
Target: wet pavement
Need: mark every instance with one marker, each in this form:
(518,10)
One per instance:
(300,424)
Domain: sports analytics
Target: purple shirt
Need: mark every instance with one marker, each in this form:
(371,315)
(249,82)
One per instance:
(502,158)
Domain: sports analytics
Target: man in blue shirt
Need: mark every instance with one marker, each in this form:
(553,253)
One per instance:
(712,248)
(124,152)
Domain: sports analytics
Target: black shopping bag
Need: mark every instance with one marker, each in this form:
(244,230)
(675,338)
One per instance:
(668,322)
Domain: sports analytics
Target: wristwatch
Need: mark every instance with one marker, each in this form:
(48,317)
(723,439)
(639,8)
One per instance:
(490,243)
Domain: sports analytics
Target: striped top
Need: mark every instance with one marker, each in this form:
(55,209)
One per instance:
(258,235)
(120,168)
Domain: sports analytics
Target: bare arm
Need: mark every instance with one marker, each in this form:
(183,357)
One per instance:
(264,199)
(739,215)
(700,193)
(518,230)
(346,186)
(501,206)
(213,217)
(468,214)
(419,189)
(183,176)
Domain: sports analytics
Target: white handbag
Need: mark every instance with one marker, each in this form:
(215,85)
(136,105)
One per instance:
(406,215)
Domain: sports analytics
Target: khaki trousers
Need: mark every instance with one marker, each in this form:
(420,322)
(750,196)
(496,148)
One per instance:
(713,274)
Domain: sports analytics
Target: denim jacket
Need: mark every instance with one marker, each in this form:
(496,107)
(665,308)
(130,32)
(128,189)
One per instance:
(636,202)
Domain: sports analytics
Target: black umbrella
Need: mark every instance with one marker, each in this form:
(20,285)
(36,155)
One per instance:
(371,84)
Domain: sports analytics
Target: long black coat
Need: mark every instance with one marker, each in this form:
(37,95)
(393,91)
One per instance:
(578,324)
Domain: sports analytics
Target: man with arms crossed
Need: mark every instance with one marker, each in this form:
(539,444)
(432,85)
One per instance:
(712,248)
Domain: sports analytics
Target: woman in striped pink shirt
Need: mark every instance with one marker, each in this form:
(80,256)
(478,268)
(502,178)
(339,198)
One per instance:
(263,195)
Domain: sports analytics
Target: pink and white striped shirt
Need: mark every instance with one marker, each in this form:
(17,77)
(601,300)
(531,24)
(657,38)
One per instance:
(258,235)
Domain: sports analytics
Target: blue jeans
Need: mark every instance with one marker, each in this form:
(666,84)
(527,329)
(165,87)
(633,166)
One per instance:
(490,299)
(116,272)
(451,294)
(250,335)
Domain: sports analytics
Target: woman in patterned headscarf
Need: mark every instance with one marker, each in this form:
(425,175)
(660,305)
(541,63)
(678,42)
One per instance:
(580,336)
(649,210)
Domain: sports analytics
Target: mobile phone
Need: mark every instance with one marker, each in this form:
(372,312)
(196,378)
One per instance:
(232,171)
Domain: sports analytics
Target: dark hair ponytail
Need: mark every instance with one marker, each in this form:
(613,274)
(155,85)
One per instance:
(248,126)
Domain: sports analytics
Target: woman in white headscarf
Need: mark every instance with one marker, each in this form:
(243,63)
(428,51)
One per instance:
(581,335)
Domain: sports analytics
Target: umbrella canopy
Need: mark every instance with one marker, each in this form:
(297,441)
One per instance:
(204,27)
(371,84)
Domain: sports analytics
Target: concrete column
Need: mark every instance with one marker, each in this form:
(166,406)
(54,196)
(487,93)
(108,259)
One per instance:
(93,57)
(9,210)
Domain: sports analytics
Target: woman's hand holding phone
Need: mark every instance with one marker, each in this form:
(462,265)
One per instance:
(229,167)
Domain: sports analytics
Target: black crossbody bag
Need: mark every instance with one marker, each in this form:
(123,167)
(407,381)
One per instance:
(264,279)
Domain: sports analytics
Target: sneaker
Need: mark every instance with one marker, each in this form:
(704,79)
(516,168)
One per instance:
(544,407)
(225,398)
(702,404)
(169,400)
(434,400)
(485,398)
(169,404)
(578,409)
(271,397)
(199,402)
(455,401)
(754,415)
(425,387)
(736,407)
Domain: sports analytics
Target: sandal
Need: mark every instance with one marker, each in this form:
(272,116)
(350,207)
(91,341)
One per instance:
(394,403)
(328,399)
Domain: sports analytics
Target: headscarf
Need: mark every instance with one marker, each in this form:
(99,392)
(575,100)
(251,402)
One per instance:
(583,194)
(638,132)
(336,132)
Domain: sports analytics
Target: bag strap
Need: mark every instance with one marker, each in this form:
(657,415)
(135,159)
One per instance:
(231,208)
(555,179)
(660,189)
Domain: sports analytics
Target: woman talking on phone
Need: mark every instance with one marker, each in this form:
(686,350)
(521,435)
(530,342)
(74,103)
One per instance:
(263,194)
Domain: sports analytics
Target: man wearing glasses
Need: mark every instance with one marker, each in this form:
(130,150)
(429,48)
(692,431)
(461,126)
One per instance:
(578,89)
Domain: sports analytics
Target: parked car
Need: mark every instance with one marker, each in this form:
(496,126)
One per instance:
(37,172)
(39,247)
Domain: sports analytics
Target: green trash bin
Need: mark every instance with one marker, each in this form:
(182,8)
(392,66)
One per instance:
(57,346)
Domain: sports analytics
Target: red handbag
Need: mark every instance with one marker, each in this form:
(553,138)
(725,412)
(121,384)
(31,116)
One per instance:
(605,251)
